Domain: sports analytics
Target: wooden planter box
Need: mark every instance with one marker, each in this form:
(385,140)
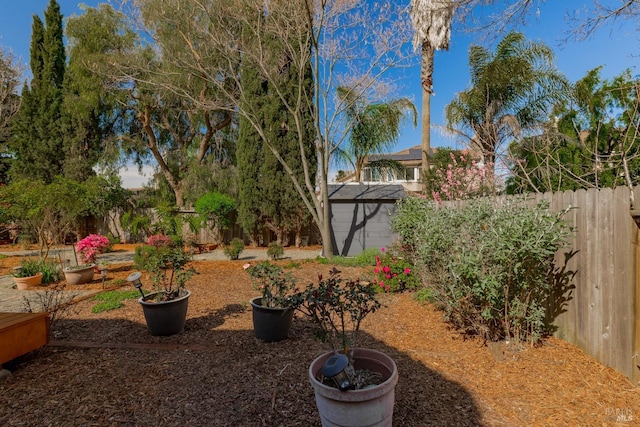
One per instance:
(21,333)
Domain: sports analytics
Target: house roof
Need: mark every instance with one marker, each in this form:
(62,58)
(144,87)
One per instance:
(412,153)
(366,192)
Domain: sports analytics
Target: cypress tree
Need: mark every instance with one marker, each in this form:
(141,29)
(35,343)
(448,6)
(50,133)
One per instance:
(250,151)
(266,192)
(37,143)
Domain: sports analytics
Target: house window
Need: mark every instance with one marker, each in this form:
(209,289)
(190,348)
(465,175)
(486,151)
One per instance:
(369,175)
(407,174)
(412,174)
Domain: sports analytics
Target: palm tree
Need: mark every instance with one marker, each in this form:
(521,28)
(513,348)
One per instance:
(374,128)
(512,91)
(432,24)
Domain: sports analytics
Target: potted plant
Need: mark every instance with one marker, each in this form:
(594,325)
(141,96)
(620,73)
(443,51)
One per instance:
(353,386)
(273,311)
(165,309)
(27,274)
(88,249)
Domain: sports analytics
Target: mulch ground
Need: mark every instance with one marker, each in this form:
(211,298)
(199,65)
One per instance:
(105,369)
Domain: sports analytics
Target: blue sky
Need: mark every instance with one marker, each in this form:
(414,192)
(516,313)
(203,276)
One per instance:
(615,47)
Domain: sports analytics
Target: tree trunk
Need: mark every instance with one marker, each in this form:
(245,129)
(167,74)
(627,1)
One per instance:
(426,75)
(325,226)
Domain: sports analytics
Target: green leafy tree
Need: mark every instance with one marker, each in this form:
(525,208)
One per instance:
(373,128)
(93,116)
(175,133)
(216,208)
(512,92)
(51,210)
(590,142)
(37,142)
(9,104)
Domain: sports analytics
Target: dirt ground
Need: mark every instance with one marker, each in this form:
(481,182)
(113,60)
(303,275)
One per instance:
(105,369)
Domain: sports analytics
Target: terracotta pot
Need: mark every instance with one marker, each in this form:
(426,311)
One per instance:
(78,275)
(165,317)
(270,324)
(23,283)
(372,406)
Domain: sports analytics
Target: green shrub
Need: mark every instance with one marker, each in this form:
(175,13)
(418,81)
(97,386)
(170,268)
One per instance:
(275,251)
(234,249)
(365,259)
(488,267)
(28,267)
(112,300)
(167,264)
(143,255)
(51,271)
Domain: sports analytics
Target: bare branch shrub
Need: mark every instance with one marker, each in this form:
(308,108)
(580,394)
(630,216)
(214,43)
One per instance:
(55,300)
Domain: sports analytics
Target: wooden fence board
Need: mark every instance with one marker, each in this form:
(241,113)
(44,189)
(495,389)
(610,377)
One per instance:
(622,283)
(605,258)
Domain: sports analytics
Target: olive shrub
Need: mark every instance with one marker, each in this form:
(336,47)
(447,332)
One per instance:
(489,268)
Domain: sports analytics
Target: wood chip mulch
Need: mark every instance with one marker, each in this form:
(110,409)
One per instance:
(106,370)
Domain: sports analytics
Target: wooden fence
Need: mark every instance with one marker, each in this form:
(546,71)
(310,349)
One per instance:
(602,315)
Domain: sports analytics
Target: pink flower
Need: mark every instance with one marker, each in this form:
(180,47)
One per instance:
(388,276)
(376,270)
(407,271)
(382,249)
(386,269)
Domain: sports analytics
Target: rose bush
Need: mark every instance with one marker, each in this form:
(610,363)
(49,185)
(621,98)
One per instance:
(393,273)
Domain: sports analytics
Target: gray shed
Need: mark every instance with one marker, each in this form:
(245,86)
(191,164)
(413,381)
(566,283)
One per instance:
(361,216)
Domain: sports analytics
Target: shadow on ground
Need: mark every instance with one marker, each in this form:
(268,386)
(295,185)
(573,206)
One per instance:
(205,376)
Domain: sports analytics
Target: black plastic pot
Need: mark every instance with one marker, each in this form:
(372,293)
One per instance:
(165,317)
(270,324)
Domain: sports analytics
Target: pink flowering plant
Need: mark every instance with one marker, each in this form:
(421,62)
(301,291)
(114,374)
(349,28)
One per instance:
(276,286)
(159,240)
(394,273)
(91,246)
(463,178)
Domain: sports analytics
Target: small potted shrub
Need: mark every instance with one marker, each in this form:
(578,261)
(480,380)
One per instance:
(165,309)
(273,311)
(28,274)
(353,386)
(234,249)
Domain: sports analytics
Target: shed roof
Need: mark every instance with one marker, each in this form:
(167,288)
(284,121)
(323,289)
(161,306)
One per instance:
(366,192)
